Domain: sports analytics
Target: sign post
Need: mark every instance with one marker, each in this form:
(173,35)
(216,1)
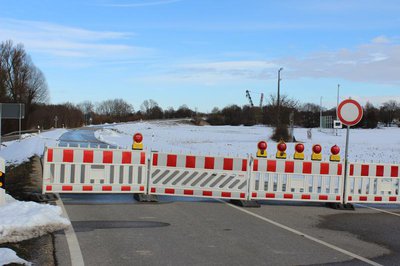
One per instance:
(12,111)
(349,113)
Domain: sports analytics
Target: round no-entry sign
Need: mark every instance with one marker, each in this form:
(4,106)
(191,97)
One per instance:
(350,112)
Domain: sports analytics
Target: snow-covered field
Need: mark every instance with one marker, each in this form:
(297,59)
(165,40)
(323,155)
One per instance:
(378,145)
(18,151)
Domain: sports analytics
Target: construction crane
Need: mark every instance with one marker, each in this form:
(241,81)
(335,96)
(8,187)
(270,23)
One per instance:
(248,96)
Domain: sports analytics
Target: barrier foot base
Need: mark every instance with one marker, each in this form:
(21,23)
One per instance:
(340,206)
(38,197)
(246,203)
(145,197)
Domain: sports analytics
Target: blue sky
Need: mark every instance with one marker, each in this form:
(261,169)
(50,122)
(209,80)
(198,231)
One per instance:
(206,53)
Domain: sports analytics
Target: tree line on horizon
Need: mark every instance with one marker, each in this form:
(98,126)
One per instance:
(22,82)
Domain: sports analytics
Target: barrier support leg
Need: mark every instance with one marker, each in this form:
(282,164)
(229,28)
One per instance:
(146,197)
(245,203)
(340,206)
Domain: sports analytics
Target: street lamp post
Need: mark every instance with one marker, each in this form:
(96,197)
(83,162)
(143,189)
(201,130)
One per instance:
(279,95)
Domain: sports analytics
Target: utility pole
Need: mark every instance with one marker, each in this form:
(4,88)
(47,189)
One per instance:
(279,96)
(337,105)
(320,114)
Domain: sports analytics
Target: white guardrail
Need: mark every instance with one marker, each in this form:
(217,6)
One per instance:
(96,170)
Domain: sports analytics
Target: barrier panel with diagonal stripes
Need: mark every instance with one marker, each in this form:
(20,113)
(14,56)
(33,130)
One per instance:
(276,179)
(374,183)
(83,170)
(198,176)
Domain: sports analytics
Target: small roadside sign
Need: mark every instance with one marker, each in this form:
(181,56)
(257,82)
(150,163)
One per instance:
(349,112)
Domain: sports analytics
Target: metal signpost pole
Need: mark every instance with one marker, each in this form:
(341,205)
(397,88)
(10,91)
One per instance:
(346,159)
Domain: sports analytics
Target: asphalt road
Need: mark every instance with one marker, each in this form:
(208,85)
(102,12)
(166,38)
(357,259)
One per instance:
(117,230)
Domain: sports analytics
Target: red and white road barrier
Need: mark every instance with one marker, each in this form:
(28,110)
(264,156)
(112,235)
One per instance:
(374,183)
(198,176)
(77,170)
(296,180)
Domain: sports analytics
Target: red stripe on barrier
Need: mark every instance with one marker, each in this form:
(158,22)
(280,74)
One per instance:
(323,197)
(50,155)
(364,170)
(289,167)
(392,198)
(255,165)
(66,188)
(49,188)
(190,162)
(350,198)
(379,170)
(169,191)
(378,198)
(106,188)
(271,166)
(242,195)
(337,197)
(339,169)
(207,193)
(307,166)
(244,165)
(87,188)
(125,188)
(155,159)
(126,157)
(107,157)
(305,196)
(363,198)
(68,156)
(188,192)
(324,169)
(228,164)
(254,194)
(171,160)
(352,169)
(153,190)
(142,158)
(226,194)
(288,196)
(209,162)
(88,156)
(394,171)
(141,188)
(270,195)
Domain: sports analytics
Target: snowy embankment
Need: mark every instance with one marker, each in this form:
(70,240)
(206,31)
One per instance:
(24,220)
(21,220)
(378,145)
(18,151)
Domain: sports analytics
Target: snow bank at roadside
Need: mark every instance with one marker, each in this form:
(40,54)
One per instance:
(8,256)
(18,151)
(21,220)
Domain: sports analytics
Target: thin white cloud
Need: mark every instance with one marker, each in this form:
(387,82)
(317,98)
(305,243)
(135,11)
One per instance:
(61,41)
(375,62)
(142,3)
(381,39)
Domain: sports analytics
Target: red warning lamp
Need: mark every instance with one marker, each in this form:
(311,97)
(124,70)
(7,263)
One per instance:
(299,147)
(335,150)
(299,151)
(137,142)
(138,137)
(281,153)
(262,147)
(316,153)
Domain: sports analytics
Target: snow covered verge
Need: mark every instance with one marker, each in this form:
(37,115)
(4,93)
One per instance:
(8,256)
(24,220)
(18,151)
(378,145)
